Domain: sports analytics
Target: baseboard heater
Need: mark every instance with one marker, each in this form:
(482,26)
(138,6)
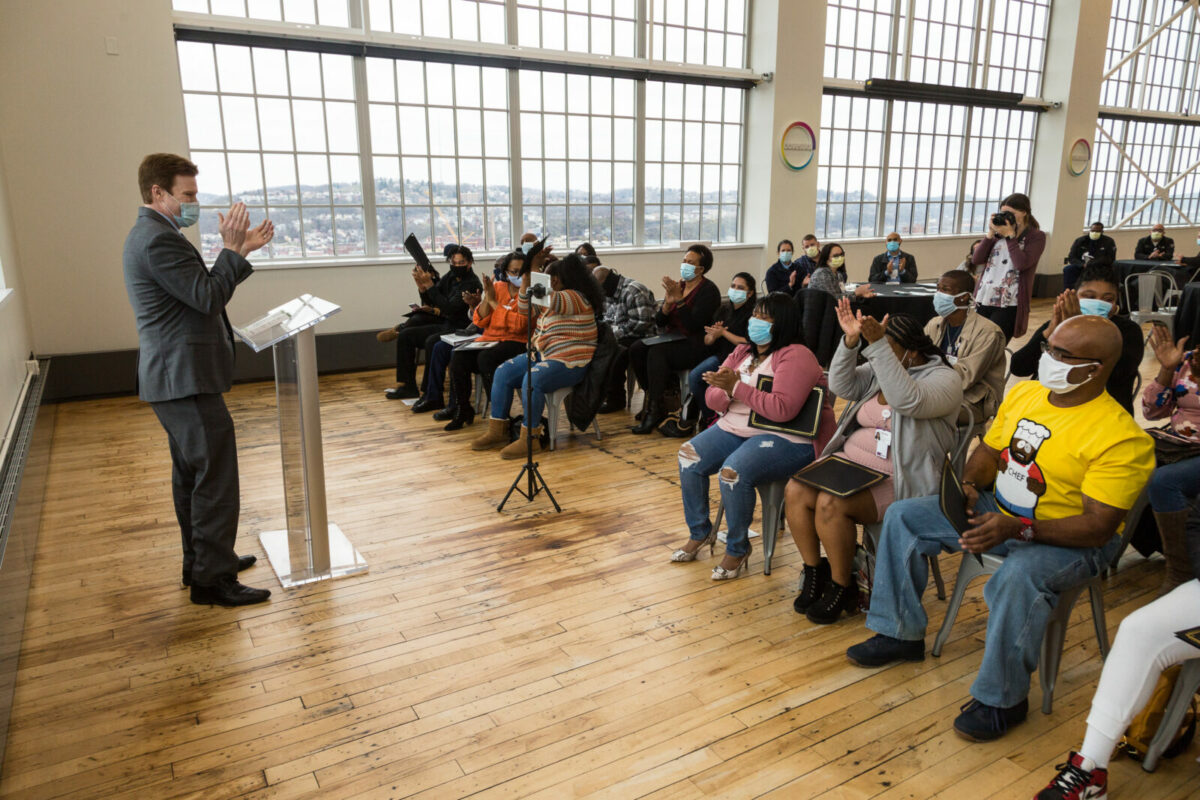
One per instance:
(24,463)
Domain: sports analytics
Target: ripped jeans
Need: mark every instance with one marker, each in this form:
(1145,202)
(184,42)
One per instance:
(743,464)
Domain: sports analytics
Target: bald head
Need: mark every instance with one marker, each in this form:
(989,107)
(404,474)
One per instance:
(1082,341)
(600,274)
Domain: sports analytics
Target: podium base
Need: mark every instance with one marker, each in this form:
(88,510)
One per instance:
(344,560)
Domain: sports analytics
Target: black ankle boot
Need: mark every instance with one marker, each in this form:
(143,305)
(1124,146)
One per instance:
(812,585)
(463,417)
(834,600)
(651,419)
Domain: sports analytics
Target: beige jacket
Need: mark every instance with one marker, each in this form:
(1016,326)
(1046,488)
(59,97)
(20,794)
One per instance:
(980,360)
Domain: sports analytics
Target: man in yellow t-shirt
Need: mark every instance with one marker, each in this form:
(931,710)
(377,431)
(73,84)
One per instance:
(1064,462)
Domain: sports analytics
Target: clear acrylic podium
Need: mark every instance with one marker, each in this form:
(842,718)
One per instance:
(312,548)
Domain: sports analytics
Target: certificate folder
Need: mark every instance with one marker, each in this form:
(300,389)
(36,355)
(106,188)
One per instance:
(839,476)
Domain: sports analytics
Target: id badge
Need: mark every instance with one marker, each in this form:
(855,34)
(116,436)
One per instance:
(952,360)
(883,443)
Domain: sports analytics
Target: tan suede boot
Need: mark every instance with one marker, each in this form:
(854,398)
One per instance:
(389,335)
(495,435)
(519,448)
(1171,528)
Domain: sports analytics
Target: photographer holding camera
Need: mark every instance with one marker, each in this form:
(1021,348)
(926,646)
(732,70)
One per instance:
(1009,256)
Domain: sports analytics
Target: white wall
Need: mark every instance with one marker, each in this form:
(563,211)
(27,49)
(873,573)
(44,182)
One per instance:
(15,339)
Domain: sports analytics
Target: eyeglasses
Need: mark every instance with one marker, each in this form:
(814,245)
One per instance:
(1058,354)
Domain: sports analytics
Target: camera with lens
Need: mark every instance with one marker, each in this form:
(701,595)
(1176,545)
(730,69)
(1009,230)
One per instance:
(1002,218)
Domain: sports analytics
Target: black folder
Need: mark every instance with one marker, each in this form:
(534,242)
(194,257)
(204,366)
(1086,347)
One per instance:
(1191,636)
(417,252)
(839,476)
(803,424)
(953,501)
(663,338)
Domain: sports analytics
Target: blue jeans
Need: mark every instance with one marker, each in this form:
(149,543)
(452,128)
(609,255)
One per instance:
(547,376)
(1173,486)
(757,460)
(435,371)
(697,386)
(1020,595)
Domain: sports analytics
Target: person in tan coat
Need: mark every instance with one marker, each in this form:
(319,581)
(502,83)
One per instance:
(973,344)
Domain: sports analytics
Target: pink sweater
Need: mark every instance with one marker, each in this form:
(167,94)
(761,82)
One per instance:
(795,371)
(1159,402)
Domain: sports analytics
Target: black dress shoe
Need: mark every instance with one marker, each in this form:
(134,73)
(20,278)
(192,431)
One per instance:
(403,393)
(464,417)
(427,403)
(244,562)
(229,593)
(612,405)
(445,414)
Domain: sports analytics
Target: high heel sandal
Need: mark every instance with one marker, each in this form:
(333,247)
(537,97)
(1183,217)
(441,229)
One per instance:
(719,573)
(681,556)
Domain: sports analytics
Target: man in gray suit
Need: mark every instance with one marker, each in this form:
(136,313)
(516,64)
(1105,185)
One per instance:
(185,362)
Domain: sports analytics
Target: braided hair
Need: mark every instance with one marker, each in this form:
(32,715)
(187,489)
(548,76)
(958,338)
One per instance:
(908,332)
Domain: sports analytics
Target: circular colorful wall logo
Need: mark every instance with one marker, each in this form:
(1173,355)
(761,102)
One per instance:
(797,145)
(1079,156)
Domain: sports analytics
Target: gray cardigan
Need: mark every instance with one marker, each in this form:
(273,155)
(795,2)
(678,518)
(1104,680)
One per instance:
(926,400)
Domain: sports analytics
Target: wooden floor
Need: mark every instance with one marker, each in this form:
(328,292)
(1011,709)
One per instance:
(516,654)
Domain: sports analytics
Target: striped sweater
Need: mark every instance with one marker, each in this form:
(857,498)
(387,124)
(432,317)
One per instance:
(566,331)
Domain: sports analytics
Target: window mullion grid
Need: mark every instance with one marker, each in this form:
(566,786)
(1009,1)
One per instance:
(357,14)
(458,198)
(516,200)
(964,161)
(984,63)
(639,161)
(893,38)
(262,167)
(908,37)
(333,229)
(366,166)
(881,212)
(287,71)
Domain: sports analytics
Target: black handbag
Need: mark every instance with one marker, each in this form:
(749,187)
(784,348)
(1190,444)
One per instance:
(803,424)
(1170,447)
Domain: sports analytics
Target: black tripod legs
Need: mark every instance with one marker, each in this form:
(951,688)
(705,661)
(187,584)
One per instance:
(536,484)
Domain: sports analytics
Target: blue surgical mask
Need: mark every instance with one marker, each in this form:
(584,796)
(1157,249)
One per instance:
(1093,307)
(189,214)
(687,271)
(526,247)
(943,303)
(759,331)
(515,280)
(737,296)
(893,247)
(785,256)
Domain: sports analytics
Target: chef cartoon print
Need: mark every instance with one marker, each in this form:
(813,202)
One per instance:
(1020,482)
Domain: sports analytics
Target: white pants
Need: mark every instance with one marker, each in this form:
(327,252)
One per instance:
(1146,645)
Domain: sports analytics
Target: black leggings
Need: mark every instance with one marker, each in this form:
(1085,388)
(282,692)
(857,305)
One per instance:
(656,365)
(485,362)
(410,340)
(1005,317)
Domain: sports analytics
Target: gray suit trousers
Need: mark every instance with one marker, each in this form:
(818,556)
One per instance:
(204,483)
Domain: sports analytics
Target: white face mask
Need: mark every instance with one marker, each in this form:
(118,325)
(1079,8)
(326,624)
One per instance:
(1052,374)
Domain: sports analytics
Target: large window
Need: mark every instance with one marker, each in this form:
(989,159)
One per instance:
(925,168)
(989,44)
(350,153)
(1144,158)
(917,168)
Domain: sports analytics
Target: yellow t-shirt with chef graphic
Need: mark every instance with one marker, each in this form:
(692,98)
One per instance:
(1051,457)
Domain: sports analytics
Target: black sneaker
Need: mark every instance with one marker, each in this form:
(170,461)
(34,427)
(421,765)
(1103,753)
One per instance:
(1078,779)
(834,600)
(811,585)
(984,723)
(880,650)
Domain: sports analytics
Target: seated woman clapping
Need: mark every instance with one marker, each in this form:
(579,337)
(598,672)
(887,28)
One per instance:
(746,455)
(904,402)
(565,340)
(503,324)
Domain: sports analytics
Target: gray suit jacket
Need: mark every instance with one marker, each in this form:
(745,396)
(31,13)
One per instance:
(185,343)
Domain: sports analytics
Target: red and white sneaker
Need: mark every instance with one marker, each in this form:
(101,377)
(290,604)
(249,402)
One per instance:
(1078,779)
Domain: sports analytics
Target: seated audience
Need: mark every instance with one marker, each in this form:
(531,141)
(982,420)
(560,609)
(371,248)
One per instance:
(746,456)
(687,308)
(968,264)
(1048,489)
(565,339)
(894,265)
(1146,645)
(442,310)
(904,401)
(806,264)
(629,310)
(501,322)
(1155,247)
(527,241)
(779,274)
(586,250)
(830,273)
(1093,249)
(726,333)
(974,346)
(1174,394)
(437,359)
(1097,295)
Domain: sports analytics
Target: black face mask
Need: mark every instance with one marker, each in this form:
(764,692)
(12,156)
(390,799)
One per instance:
(610,284)
(460,272)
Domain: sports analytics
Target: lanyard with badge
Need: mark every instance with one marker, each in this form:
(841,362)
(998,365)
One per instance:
(883,436)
